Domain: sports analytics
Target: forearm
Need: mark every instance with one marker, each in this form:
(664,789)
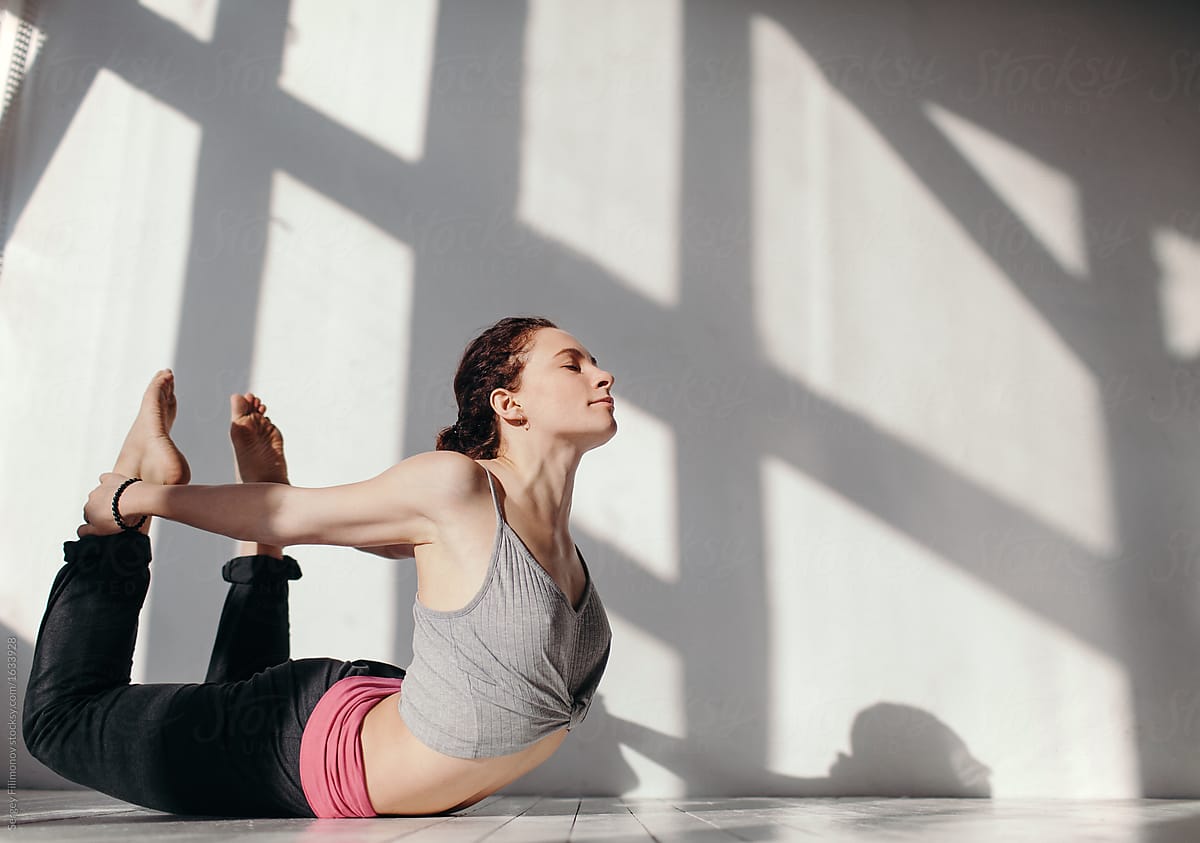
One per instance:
(252,512)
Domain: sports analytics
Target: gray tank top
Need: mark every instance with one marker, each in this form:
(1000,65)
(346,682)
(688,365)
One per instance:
(515,664)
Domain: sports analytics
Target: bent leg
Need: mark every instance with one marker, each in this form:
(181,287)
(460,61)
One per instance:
(253,633)
(182,747)
(82,718)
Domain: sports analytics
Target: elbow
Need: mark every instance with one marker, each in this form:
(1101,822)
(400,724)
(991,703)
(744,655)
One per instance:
(281,535)
(301,516)
(285,520)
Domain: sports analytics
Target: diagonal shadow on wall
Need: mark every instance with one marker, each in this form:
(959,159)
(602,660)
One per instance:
(498,265)
(1112,320)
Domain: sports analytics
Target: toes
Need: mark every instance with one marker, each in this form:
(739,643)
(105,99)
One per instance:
(240,405)
(166,383)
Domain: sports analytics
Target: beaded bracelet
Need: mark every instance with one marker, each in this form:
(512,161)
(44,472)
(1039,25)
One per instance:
(116,514)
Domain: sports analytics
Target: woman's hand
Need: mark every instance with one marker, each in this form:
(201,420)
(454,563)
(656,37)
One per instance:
(97,512)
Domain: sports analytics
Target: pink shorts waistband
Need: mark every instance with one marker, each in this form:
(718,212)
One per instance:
(331,764)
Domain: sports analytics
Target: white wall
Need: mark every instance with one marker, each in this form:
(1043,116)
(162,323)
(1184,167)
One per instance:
(902,304)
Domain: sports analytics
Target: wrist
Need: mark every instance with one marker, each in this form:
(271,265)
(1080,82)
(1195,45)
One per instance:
(137,500)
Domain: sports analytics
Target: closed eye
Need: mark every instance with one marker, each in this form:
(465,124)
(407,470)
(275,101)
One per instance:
(576,368)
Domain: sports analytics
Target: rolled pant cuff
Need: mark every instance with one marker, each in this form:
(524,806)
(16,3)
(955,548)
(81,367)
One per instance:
(260,569)
(122,552)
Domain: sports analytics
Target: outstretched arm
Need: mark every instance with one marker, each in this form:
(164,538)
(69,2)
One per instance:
(397,507)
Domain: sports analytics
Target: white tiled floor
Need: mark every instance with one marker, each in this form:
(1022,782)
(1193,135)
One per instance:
(79,815)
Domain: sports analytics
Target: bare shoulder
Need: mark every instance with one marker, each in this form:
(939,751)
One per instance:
(402,505)
(444,480)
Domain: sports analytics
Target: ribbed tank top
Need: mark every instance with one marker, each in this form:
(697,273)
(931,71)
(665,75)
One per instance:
(515,664)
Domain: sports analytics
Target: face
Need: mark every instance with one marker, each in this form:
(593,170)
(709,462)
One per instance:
(559,387)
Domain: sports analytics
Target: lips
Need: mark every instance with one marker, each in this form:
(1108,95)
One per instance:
(608,401)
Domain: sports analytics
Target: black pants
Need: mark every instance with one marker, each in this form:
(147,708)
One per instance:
(229,746)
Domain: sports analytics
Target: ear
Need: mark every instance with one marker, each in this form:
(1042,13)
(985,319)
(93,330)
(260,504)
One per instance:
(507,406)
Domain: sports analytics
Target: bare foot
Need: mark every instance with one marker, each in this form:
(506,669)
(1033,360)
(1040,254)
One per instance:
(258,454)
(257,443)
(148,451)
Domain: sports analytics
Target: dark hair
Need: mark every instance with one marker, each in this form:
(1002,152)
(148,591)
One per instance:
(493,360)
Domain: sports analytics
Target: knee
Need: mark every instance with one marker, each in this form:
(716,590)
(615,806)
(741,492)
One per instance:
(39,725)
(34,730)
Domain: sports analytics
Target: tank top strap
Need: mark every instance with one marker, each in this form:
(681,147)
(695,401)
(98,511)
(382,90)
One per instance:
(492,487)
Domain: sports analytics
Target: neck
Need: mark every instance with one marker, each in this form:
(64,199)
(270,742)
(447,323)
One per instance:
(542,486)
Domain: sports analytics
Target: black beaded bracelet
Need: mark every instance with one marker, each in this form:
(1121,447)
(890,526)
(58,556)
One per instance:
(117,497)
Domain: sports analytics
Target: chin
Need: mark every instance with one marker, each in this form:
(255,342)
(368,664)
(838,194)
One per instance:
(609,433)
(599,438)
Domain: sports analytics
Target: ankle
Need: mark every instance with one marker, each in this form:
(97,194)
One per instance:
(256,549)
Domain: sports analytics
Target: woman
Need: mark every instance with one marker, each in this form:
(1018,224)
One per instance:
(510,637)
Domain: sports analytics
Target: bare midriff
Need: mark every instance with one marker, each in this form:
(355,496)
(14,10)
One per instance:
(404,776)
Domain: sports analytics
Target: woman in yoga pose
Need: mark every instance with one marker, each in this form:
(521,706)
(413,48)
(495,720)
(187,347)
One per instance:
(510,637)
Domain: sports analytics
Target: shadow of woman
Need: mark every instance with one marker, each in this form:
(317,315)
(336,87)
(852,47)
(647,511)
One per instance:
(895,750)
